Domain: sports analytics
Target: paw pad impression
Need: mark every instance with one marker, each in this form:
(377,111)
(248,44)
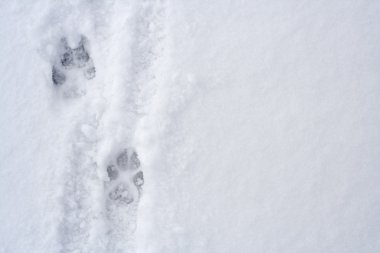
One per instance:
(126,178)
(70,59)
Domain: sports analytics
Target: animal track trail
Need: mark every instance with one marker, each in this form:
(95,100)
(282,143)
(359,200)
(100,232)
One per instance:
(102,192)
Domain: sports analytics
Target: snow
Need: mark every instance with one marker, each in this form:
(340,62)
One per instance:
(256,124)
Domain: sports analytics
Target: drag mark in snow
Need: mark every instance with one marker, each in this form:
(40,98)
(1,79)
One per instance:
(124,188)
(82,228)
(82,188)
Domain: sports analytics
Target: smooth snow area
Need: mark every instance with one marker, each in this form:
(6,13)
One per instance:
(257,124)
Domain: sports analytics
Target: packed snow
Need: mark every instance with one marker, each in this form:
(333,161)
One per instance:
(156,126)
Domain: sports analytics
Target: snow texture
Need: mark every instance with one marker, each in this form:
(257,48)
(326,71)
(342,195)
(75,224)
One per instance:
(156,126)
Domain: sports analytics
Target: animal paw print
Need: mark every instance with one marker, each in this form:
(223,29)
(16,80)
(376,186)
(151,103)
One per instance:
(125,177)
(71,59)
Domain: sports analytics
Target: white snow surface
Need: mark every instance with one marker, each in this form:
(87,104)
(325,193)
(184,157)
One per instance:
(257,124)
